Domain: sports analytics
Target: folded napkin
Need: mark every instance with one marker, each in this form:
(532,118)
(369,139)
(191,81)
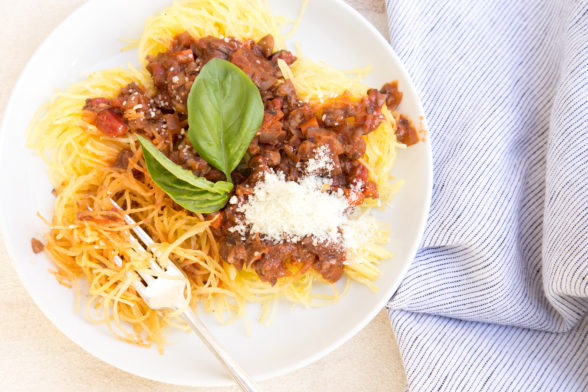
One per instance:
(497,297)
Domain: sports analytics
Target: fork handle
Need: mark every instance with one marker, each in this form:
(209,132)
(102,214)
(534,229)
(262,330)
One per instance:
(241,378)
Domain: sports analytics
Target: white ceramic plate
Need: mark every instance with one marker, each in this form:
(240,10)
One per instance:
(87,41)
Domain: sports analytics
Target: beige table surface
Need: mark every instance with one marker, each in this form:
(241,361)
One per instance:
(35,356)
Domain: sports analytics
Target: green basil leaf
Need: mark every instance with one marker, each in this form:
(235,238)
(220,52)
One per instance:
(196,194)
(225,110)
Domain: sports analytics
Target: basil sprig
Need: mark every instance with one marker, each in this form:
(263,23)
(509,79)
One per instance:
(194,193)
(225,110)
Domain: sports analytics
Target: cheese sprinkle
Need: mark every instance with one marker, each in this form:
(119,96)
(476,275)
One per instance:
(288,211)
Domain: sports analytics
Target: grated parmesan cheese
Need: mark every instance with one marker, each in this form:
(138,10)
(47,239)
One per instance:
(284,210)
(281,210)
(321,162)
(356,233)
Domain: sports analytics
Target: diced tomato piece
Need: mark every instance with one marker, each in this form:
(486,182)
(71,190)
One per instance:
(97,102)
(111,124)
(184,56)
(370,190)
(308,124)
(355,198)
(359,174)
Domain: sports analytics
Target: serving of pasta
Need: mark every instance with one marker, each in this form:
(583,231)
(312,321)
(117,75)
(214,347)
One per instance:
(253,168)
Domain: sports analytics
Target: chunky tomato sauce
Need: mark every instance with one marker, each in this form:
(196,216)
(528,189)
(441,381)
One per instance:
(291,132)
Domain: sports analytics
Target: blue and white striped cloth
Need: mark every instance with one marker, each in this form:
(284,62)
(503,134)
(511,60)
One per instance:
(497,297)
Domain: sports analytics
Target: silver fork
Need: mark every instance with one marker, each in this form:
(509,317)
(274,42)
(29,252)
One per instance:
(167,291)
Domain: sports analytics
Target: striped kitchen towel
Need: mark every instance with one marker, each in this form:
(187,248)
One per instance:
(497,297)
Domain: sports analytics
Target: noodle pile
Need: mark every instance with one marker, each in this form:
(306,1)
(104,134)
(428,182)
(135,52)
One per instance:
(86,233)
